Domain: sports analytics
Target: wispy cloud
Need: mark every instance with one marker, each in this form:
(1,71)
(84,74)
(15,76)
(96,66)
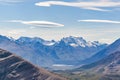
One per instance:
(100,21)
(93,5)
(11,1)
(43,24)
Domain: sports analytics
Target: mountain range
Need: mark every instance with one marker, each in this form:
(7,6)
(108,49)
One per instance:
(69,50)
(13,67)
(104,65)
(97,61)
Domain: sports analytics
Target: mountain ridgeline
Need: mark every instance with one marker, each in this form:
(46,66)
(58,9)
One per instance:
(13,67)
(115,46)
(69,50)
(104,65)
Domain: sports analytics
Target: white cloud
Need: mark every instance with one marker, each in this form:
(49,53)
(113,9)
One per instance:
(43,24)
(100,21)
(11,1)
(94,5)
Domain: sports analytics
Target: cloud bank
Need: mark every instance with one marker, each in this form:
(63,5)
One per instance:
(39,23)
(100,21)
(94,5)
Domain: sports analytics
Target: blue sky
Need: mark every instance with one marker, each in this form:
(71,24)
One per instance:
(54,19)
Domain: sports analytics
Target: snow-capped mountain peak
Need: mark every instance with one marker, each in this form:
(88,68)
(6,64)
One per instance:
(28,39)
(35,40)
(36,50)
(80,41)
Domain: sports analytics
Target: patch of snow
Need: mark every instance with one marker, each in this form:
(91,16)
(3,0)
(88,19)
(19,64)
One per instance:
(1,59)
(49,43)
(73,45)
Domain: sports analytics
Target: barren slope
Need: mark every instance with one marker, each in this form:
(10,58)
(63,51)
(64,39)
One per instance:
(15,68)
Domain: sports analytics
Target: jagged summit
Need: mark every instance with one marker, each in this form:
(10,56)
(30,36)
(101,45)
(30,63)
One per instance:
(80,41)
(23,39)
(71,40)
(35,40)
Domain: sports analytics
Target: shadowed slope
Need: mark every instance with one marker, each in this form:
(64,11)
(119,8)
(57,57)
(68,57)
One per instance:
(115,46)
(107,68)
(15,68)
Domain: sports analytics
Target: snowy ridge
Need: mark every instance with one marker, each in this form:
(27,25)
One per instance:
(68,51)
(34,40)
(72,41)
(79,41)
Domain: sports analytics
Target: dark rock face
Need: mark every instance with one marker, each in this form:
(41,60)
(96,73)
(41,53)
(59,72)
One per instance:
(15,68)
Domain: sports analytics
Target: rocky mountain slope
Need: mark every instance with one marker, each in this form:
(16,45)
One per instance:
(69,50)
(107,68)
(13,67)
(105,65)
(115,46)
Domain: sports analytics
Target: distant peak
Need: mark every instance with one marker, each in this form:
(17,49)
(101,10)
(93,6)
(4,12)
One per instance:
(80,41)
(24,39)
(74,37)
